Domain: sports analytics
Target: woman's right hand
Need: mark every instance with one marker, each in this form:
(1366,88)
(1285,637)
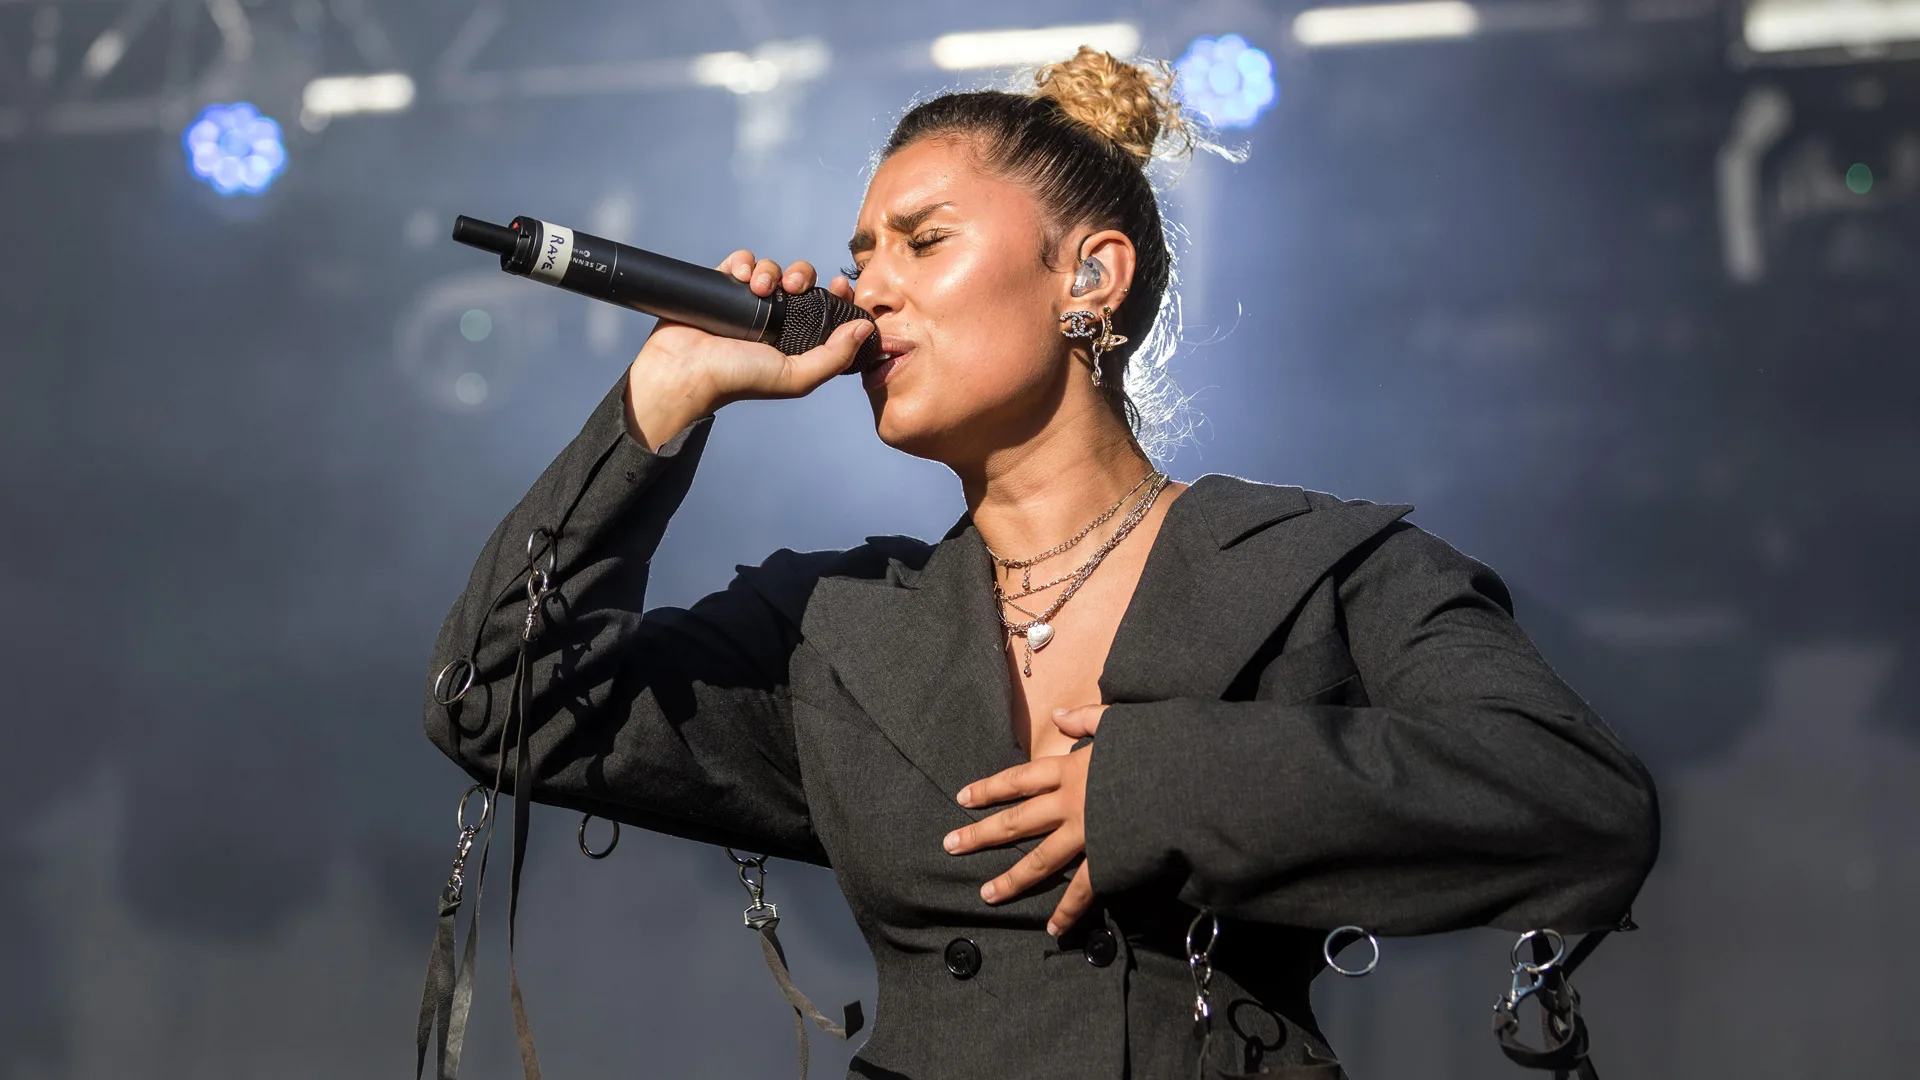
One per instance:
(683,373)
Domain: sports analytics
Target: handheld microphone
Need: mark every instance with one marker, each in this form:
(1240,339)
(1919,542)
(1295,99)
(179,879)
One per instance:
(666,288)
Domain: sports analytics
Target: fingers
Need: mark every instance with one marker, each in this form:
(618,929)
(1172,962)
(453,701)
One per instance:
(1046,859)
(1079,722)
(764,275)
(1032,778)
(799,277)
(1030,818)
(1078,898)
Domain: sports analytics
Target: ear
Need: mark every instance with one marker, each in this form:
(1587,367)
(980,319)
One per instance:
(1116,256)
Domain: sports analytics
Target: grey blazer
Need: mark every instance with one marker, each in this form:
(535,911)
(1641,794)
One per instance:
(1320,715)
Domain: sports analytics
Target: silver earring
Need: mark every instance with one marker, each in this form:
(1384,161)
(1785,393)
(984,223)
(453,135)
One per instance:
(1100,335)
(1088,277)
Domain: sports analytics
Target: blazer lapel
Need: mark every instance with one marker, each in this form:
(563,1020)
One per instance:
(1232,562)
(923,654)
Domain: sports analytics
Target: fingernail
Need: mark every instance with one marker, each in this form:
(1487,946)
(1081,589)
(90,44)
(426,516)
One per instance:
(861,328)
(1059,712)
(951,842)
(1052,929)
(761,281)
(965,796)
(986,892)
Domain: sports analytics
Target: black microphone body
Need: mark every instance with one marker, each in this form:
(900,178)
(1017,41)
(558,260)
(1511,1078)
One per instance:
(667,288)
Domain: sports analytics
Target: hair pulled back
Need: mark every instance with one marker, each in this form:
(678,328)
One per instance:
(1082,141)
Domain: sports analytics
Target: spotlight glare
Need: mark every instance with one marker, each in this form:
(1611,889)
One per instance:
(1772,26)
(1228,80)
(1016,48)
(234,149)
(1363,24)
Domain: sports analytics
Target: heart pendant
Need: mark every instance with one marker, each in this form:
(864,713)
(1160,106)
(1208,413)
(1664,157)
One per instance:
(1039,634)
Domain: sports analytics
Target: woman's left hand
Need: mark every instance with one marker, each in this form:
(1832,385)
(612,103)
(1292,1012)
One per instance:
(1054,790)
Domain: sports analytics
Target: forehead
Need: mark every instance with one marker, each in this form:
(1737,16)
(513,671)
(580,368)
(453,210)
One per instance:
(937,170)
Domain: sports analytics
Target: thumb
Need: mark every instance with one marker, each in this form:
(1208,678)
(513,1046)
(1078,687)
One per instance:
(1079,722)
(831,357)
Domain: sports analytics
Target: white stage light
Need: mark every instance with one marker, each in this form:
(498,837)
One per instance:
(1018,48)
(341,95)
(1372,23)
(769,66)
(1773,26)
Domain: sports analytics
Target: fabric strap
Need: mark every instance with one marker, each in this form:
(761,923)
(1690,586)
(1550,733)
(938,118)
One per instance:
(853,1018)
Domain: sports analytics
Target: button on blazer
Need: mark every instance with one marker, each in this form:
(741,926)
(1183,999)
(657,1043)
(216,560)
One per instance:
(1319,715)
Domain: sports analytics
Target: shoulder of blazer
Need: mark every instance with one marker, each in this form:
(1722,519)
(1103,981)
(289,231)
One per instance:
(786,579)
(1236,508)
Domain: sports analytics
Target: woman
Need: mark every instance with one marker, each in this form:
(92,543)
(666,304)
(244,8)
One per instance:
(1102,704)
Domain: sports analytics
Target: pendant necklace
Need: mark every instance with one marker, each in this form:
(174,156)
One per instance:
(1037,630)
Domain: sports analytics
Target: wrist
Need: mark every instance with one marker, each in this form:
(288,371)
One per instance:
(660,406)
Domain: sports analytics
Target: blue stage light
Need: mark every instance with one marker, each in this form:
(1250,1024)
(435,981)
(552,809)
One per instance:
(234,149)
(1228,80)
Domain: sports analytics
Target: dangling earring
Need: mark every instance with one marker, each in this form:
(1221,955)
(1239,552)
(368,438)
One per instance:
(1088,277)
(1080,324)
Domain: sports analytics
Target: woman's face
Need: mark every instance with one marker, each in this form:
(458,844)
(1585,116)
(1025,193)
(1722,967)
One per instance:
(949,265)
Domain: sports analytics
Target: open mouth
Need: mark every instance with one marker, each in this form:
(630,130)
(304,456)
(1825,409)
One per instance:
(893,353)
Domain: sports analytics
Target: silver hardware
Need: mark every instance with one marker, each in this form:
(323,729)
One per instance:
(441,681)
(1200,962)
(1528,977)
(486,807)
(1552,935)
(539,543)
(1356,933)
(612,843)
(457,880)
(759,914)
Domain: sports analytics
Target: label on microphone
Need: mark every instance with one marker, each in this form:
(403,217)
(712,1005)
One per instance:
(556,252)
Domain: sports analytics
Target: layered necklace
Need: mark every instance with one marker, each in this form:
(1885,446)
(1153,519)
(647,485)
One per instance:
(1037,629)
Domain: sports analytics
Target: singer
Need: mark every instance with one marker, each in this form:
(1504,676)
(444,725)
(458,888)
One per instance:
(1105,703)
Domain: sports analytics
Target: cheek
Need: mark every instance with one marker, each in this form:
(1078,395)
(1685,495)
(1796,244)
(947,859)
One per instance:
(990,325)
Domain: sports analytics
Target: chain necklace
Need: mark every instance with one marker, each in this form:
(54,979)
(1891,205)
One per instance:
(1025,566)
(1037,630)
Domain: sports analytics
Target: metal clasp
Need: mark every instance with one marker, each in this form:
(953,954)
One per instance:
(1200,962)
(1529,977)
(753,875)
(457,880)
(540,546)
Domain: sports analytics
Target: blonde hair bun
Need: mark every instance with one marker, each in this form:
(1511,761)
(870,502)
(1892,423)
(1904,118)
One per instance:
(1131,105)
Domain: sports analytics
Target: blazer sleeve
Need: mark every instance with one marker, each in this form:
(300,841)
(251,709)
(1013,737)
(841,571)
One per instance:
(1476,788)
(675,720)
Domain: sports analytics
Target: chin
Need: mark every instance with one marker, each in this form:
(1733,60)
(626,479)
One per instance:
(912,424)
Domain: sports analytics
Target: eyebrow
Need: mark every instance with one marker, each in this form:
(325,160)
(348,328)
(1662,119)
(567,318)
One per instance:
(906,223)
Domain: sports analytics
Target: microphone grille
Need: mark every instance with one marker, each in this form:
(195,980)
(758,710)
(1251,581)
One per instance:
(811,317)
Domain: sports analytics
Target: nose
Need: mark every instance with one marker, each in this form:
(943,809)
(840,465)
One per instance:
(877,290)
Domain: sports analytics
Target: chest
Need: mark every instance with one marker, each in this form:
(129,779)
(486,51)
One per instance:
(1065,673)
